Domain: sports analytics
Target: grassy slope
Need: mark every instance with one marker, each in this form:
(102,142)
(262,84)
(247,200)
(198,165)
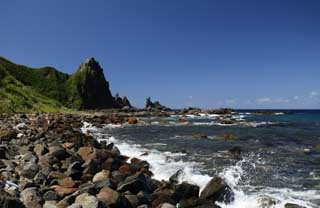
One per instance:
(46,81)
(16,97)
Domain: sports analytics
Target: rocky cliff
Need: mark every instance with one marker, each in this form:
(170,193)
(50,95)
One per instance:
(46,89)
(88,88)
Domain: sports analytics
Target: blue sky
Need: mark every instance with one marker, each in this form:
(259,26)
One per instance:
(235,53)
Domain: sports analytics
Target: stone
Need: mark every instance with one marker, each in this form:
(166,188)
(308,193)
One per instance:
(132,120)
(50,195)
(108,196)
(103,175)
(29,170)
(7,201)
(87,201)
(217,190)
(132,199)
(166,205)
(7,134)
(291,205)
(175,177)
(229,137)
(162,199)
(59,152)
(86,153)
(186,191)
(31,198)
(40,149)
(61,191)
(125,169)
(67,182)
(135,184)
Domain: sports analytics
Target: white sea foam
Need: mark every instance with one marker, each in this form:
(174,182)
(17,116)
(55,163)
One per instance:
(234,174)
(165,164)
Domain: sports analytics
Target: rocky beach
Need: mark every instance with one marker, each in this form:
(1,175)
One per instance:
(49,160)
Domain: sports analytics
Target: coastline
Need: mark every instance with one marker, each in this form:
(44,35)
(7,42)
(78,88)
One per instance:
(48,161)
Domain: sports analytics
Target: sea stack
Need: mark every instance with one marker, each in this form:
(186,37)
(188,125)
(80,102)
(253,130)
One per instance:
(89,88)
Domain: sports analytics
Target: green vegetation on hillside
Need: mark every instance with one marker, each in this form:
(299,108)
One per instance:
(25,89)
(16,97)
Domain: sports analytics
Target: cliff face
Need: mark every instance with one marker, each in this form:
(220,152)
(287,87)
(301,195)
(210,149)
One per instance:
(88,87)
(47,89)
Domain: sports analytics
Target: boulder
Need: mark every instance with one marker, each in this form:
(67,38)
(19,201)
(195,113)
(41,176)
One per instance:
(108,196)
(103,175)
(30,198)
(217,190)
(132,120)
(135,184)
(291,205)
(67,182)
(40,149)
(87,201)
(166,205)
(7,134)
(62,191)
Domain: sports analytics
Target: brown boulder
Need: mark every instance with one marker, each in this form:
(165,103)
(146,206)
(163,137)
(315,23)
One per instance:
(61,191)
(67,182)
(108,196)
(132,120)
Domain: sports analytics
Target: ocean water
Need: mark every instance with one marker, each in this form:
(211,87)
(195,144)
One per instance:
(280,154)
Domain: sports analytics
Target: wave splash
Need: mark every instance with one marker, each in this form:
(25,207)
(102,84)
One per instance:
(165,164)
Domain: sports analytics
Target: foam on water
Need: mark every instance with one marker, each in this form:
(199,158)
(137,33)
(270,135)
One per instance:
(258,195)
(165,164)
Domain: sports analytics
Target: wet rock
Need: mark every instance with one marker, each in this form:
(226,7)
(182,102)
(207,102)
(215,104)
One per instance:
(162,199)
(31,198)
(90,167)
(132,120)
(235,151)
(186,190)
(125,169)
(134,184)
(200,136)
(229,137)
(108,196)
(87,201)
(291,205)
(217,190)
(267,202)
(175,177)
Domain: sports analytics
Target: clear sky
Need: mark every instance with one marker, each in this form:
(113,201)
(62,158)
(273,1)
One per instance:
(205,53)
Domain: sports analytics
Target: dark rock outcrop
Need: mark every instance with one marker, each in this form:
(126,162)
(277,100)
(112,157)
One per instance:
(89,88)
(155,105)
(121,102)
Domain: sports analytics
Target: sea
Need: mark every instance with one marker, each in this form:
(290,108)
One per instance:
(263,157)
